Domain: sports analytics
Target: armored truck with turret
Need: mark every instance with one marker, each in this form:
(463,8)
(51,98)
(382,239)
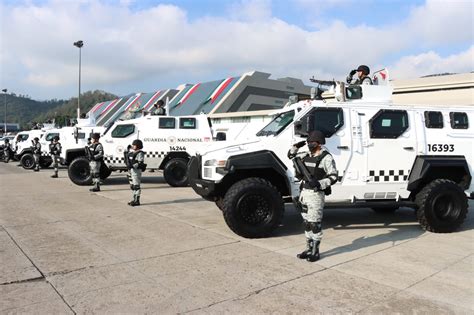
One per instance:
(388,156)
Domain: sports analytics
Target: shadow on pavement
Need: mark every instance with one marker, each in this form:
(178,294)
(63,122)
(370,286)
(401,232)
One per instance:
(172,201)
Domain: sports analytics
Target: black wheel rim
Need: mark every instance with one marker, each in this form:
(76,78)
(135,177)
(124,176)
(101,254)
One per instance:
(446,208)
(82,172)
(178,172)
(28,163)
(254,209)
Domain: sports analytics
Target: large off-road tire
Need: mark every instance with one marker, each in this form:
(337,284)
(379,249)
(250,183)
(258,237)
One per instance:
(385,210)
(45,162)
(27,161)
(253,208)
(79,171)
(442,206)
(220,203)
(104,171)
(176,172)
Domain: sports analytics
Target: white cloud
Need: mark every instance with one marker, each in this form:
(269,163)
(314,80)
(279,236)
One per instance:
(432,63)
(161,42)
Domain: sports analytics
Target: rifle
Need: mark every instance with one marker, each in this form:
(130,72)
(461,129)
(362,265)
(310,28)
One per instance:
(126,159)
(301,169)
(89,155)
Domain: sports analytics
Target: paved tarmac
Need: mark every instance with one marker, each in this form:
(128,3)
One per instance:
(66,250)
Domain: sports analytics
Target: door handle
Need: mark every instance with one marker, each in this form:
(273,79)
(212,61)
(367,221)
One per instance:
(408,148)
(343,147)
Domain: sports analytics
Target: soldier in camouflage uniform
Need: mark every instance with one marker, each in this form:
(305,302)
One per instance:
(95,160)
(36,153)
(322,169)
(135,164)
(55,151)
(6,150)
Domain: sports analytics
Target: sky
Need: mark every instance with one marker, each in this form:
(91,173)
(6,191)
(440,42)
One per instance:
(143,46)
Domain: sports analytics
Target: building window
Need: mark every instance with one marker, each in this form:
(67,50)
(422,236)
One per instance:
(459,120)
(388,124)
(433,120)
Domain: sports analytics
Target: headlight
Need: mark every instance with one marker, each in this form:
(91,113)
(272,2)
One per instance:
(214,162)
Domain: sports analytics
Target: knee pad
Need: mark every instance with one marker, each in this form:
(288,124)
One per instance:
(136,187)
(314,227)
(131,186)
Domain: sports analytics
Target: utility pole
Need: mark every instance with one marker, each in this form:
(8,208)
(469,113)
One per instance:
(79,45)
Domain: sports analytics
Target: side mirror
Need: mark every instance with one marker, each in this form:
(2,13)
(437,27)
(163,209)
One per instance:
(221,136)
(300,128)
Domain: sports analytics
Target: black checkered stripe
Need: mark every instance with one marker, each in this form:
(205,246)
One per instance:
(389,175)
(148,155)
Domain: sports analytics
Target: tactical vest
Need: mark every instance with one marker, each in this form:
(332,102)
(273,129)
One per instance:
(94,150)
(133,159)
(312,164)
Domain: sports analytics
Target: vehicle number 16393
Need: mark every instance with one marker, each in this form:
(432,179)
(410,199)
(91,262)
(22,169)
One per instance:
(439,147)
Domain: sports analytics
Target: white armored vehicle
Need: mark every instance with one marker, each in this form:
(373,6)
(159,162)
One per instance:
(387,155)
(168,143)
(23,150)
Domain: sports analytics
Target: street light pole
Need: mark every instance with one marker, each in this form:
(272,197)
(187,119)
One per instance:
(79,44)
(5,101)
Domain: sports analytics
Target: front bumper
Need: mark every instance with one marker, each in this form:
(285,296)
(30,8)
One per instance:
(204,188)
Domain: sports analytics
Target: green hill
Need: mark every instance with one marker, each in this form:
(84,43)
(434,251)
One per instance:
(23,110)
(68,109)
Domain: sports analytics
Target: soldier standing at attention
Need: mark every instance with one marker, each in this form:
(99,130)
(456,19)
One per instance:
(6,150)
(322,169)
(136,165)
(55,150)
(95,160)
(36,153)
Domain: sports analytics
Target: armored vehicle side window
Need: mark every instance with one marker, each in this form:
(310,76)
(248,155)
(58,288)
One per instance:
(122,131)
(22,138)
(433,120)
(326,120)
(167,123)
(81,135)
(187,123)
(278,124)
(354,92)
(50,136)
(459,120)
(388,124)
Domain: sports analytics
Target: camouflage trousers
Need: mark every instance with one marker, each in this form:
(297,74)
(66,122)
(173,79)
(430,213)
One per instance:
(314,202)
(135,179)
(55,163)
(37,157)
(95,172)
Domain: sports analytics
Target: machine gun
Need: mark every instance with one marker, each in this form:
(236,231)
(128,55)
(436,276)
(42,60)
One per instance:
(322,87)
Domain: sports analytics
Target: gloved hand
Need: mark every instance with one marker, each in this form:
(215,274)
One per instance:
(315,184)
(352,72)
(299,144)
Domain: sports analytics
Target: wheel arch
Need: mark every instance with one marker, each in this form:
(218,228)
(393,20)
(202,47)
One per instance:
(174,155)
(263,164)
(72,154)
(428,168)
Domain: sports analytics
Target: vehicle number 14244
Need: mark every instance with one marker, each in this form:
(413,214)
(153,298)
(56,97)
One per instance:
(438,147)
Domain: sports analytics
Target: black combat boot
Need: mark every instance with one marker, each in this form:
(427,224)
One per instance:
(54,176)
(96,188)
(135,201)
(304,254)
(313,255)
